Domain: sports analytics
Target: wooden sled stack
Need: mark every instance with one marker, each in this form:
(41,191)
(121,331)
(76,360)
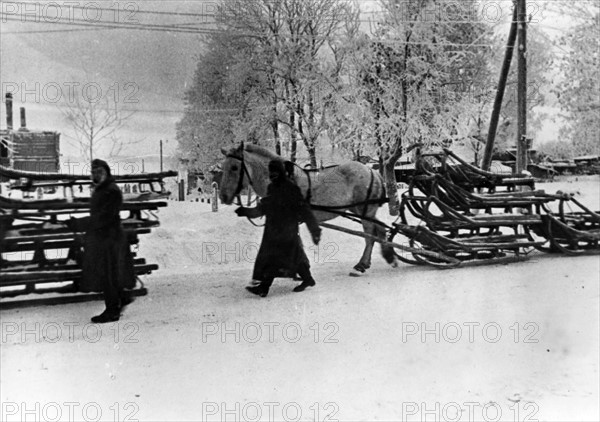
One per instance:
(40,247)
(477,216)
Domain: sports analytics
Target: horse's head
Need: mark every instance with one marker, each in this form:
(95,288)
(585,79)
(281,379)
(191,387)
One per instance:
(232,180)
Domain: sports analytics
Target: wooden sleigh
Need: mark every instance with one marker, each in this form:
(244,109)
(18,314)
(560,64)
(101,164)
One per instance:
(473,226)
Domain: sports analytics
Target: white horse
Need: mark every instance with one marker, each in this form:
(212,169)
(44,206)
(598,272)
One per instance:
(330,191)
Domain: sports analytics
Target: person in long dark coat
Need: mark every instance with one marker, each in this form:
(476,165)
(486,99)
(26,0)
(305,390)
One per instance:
(107,259)
(281,253)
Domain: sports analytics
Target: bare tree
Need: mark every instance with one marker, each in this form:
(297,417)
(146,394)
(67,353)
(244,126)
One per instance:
(95,124)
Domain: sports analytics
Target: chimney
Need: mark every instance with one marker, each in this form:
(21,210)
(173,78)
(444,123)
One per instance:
(23,122)
(9,113)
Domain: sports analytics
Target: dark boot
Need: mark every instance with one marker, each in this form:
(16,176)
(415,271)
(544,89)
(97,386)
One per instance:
(306,276)
(126,300)
(302,286)
(259,290)
(105,316)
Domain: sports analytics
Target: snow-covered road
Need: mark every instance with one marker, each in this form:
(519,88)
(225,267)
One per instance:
(510,342)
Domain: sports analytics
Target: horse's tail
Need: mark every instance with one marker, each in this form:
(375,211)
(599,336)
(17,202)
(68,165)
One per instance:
(383,196)
(388,252)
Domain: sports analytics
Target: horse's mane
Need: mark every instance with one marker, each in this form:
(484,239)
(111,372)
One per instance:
(257,149)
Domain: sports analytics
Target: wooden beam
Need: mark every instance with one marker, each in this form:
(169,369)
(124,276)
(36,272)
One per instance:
(521,164)
(32,175)
(508,54)
(59,300)
(435,255)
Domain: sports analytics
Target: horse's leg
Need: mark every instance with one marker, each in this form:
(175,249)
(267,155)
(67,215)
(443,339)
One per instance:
(365,260)
(388,252)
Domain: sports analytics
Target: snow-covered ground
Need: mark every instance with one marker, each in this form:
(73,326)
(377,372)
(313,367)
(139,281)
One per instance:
(512,342)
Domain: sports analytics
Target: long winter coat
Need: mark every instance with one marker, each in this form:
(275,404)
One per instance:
(281,252)
(107,255)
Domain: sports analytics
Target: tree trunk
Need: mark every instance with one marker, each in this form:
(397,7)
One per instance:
(293,145)
(275,128)
(294,148)
(391,187)
(312,153)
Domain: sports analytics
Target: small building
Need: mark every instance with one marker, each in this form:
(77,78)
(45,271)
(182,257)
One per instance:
(587,160)
(535,166)
(587,164)
(23,149)
(509,155)
(193,178)
(562,167)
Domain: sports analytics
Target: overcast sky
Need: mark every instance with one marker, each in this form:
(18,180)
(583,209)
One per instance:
(146,70)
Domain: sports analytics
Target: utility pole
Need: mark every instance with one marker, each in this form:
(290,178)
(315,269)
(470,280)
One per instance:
(161,156)
(521,164)
(491,137)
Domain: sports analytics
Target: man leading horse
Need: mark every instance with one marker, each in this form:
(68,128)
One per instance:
(330,191)
(281,253)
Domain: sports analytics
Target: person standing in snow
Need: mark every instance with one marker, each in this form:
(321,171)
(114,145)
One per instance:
(107,260)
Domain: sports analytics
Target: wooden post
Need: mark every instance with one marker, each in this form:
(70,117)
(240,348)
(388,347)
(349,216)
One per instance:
(23,119)
(182,190)
(215,196)
(521,164)
(161,156)
(510,44)
(9,111)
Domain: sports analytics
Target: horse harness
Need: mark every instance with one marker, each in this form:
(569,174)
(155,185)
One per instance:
(368,201)
(240,184)
(333,209)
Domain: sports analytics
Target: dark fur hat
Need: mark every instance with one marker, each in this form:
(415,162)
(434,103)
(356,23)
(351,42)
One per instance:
(102,164)
(276,166)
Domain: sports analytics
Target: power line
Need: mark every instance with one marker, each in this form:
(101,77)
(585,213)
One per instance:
(41,31)
(106,24)
(168,28)
(186,28)
(132,10)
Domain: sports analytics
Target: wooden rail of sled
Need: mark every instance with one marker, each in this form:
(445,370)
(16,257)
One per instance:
(435,255)
(77,206)
(67,295)
(454,219)
(58,275)
(50,265)
(25,243)
(58,242)
(83,178)
(129,224)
